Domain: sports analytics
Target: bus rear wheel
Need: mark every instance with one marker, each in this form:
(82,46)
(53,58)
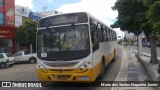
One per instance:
(114,55)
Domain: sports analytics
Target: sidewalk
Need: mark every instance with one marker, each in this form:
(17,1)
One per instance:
(131,70)
(152,69)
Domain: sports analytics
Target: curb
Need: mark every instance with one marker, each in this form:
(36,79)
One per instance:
(148,55)
(149,72)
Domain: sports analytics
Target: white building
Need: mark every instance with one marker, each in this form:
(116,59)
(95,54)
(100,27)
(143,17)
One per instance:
(21,12)
(120,34)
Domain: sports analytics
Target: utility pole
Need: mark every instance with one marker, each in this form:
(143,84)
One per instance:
(140,45)
(122,38)
(129,42)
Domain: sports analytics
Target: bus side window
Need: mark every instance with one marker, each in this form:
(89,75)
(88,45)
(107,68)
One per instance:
(105,34)
(94,36)
(111,35)
(100,32)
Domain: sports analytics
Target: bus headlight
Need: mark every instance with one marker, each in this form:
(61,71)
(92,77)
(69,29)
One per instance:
(41,67)
(84,67)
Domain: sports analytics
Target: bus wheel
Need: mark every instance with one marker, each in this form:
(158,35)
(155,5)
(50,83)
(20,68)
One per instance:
(114,55)
(102,70)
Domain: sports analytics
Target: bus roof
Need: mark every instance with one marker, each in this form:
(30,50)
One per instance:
(88,14)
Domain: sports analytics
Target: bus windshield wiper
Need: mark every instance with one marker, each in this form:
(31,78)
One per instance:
(67,31)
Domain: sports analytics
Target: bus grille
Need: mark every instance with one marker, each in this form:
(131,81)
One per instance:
(62,70)
(66,64)
(62,77)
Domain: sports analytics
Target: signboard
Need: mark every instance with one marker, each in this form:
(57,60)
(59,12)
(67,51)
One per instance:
(34,15)
(6,33)
(10,12)
(22,11)
(26,12)
(142,34)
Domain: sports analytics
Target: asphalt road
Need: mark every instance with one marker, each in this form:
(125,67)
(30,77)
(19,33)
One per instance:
(148,50)
(27,72)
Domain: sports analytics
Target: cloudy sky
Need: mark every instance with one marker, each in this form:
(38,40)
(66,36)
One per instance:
(98,8)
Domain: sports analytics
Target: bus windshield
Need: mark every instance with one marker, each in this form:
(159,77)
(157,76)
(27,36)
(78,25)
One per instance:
(65,42)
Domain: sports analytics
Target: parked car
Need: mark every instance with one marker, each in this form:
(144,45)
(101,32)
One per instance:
(6,59)
(135,44)
(148,44)
(25,56)
(158,44)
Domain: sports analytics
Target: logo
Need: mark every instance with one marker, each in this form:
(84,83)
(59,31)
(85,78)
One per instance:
(34,15)
(6,84)
(10,14)
(22,11)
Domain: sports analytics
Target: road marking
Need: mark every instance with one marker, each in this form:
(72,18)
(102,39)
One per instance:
(121,63)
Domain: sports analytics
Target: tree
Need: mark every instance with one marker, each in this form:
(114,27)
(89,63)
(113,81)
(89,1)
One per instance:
(26,34)
(131,13)
(154,19)
(132,16)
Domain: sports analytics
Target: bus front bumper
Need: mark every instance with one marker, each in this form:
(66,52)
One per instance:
(87,76)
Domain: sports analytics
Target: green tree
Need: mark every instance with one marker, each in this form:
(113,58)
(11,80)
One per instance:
(26,34)
(154,20)
(132,16)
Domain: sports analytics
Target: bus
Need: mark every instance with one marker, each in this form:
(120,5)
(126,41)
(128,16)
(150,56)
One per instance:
(73,47)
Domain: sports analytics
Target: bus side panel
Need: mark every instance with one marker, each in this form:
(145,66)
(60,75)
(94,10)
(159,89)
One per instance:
(97,55)
(106,49)
(110,52)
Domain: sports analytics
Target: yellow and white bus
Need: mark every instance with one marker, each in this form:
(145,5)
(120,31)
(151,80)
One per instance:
(73,47)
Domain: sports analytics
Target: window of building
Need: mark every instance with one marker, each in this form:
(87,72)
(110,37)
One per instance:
(1,18)
(1,2)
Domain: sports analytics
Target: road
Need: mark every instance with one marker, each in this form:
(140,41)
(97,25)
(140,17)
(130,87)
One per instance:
(27,72)
(148,50)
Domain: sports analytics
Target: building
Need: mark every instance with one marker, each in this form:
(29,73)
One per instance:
(119,38)
(12,16)
(24,12)
(7,26)
(21,12)
(23,15)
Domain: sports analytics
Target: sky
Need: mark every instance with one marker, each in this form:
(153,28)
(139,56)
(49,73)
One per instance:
(98,8)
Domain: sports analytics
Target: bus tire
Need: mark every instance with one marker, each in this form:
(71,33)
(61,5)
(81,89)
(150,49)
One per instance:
(102,69)
(113,60)
(3,65)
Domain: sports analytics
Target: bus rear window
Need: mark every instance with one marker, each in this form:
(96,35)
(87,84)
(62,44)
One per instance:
(63,19)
